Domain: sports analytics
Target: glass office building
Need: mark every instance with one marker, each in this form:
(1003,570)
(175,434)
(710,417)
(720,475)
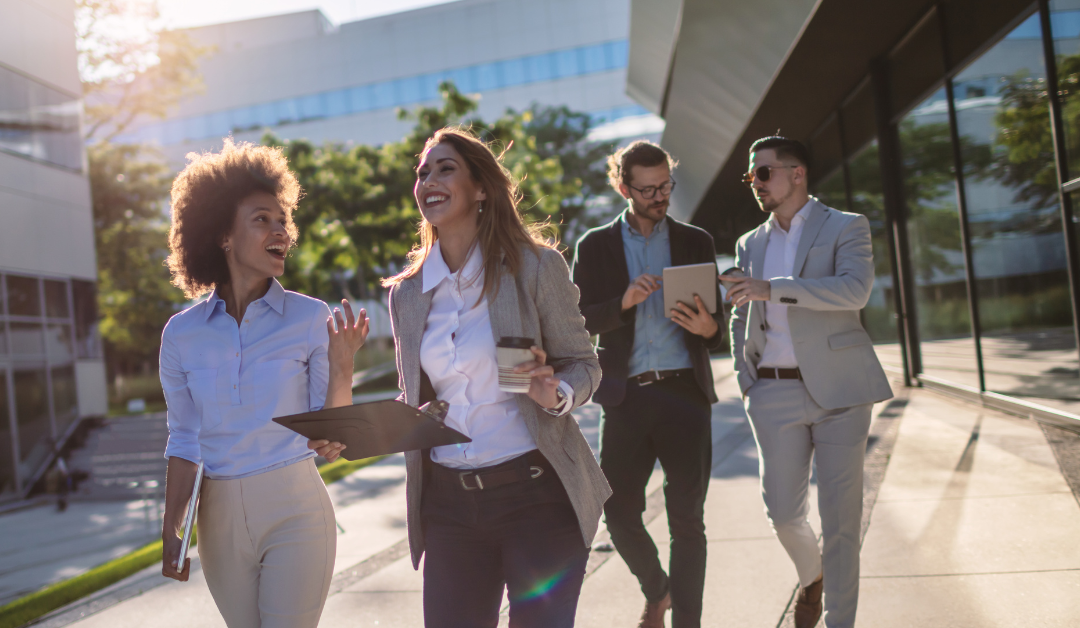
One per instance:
(52,373)
(954,126)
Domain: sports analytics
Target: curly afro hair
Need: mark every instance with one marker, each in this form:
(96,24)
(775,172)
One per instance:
(205,196)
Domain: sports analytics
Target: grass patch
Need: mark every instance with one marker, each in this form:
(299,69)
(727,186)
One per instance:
(60,594)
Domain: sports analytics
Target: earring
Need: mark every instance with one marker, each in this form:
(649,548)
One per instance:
(479,207)
(226,249)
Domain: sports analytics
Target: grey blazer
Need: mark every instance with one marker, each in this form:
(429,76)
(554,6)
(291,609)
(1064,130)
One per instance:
(542,303)
(830,282)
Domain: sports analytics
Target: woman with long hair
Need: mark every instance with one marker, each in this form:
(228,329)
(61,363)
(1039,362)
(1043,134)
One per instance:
(519,505)
(229,364)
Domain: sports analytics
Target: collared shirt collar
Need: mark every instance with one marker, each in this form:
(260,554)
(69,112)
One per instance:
(435,268)
(274,297)
(802,215)
(660,227)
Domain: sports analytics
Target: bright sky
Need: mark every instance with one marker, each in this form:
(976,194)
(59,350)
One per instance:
(185,13)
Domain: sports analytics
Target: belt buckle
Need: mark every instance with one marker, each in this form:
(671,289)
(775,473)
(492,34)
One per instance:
(465,485)
(656,378)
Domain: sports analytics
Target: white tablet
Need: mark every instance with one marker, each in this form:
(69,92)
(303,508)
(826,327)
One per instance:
(681,283)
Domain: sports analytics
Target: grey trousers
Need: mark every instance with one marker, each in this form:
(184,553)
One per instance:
(790,429)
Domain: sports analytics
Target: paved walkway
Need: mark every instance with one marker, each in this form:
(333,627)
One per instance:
(972,525)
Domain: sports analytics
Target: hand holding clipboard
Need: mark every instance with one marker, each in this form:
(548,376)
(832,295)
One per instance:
(179,568)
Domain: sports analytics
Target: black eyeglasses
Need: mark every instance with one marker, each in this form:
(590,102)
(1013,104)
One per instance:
(649,191)
(761,173)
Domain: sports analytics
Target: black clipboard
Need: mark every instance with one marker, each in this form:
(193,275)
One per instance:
(377,428)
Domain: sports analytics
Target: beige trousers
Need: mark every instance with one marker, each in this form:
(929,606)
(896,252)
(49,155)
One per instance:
(267,545)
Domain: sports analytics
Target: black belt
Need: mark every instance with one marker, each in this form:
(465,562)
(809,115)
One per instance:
(768,372)
(648,377)
(526,467)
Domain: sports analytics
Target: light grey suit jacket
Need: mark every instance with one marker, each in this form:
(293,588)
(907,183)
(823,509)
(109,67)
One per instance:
(831,281)
(541,303)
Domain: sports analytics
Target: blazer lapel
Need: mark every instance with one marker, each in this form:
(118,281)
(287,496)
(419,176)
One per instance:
(415,306)
(756,246)
(616,254)
(504,312)
(813,225)
(680,256)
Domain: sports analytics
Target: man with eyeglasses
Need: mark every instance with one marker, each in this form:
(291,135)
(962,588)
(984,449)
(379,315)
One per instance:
(657,382)
(808,372)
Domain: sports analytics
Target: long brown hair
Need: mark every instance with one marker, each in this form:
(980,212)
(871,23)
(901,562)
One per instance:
(501,230)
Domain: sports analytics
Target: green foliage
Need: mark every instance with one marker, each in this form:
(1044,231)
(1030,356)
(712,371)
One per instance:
(130,65)
(135,299)
(358,217)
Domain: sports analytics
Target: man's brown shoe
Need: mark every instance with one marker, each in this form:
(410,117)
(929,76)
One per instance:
(808,605)
(653,615)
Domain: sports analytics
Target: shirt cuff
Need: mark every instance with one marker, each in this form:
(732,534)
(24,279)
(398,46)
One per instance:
(567,402)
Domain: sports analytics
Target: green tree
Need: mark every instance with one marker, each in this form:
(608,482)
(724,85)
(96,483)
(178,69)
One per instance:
(135,298)
(131,68)
(358,217)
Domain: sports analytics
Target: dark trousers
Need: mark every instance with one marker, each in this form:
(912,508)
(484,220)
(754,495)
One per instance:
(669,420)
(523,536)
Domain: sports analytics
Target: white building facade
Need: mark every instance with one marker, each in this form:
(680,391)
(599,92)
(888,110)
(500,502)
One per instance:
(51,368)
(301,76)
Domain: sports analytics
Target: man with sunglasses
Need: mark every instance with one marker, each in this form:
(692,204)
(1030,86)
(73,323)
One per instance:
(657,382)
(808,371)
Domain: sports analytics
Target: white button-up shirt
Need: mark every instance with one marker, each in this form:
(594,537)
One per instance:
(779,351)
(224,381)
(457,353)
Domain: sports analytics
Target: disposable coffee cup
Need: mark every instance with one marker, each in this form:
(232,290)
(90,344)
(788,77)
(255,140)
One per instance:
(734,271)
(510,352)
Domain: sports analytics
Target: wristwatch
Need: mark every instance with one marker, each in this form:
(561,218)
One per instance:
(560,401)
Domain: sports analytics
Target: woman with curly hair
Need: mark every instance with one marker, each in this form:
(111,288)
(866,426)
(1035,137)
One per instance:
(518,506)
(229,364)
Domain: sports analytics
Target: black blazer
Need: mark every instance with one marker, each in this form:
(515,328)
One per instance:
(601,274)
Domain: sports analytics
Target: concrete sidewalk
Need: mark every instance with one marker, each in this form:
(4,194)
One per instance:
(972,524)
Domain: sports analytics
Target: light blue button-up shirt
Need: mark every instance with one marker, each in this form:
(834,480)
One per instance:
(224,382)
(659,344)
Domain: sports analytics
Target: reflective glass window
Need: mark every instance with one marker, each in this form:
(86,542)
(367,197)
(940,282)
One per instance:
(58,346)
(312,106)
(243,118)
(1013,203)
(7,447)
(32,416)
(464,79)
(56,299)
(937,258)
(1065,25)
(868,199)
(566,63)
(286,111)
(172,132)
(408,90)
(382,95)
(38,121)
(195,128)
(361,98)
(512,72)
(87,338)
(218,124)
(64,397)
(429,85)
(337,103)
(487,77)
(27,340)
(23,296)
(593,59)
(264,115)
(831,190)
(538,67)
(619,53)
